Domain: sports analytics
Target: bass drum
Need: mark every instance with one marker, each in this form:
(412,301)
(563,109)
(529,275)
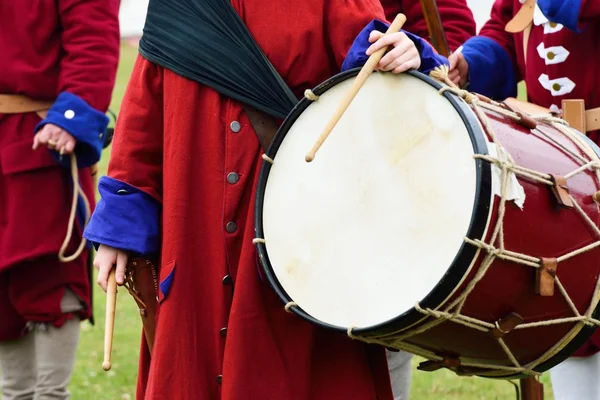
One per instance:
(436,222)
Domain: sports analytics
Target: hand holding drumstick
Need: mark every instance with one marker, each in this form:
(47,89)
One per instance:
(108,278)
(402,57)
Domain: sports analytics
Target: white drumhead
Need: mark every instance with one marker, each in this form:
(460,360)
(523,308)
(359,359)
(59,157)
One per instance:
(367,229)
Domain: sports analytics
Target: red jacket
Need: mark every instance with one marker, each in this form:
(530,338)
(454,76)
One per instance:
(221,332)
(456,16)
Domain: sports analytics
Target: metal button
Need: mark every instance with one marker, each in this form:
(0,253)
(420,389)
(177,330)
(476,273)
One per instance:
(232,177)
(235,126)
(219,379)
(69,114)
(553,24)
(556,87)
(550,55)
(231,227)
(227,280)
(223,332)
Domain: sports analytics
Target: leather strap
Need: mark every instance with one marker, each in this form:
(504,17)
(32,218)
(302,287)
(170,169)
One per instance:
(531,389)
(522,19)
(264,125)
(19,104)
(592,119)
(545,277)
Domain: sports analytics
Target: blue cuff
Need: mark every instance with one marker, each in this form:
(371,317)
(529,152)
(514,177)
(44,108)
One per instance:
(125,218)
(565,12)
(491,70)
(86,124)
(357,56)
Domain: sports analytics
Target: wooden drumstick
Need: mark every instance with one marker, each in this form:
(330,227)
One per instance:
(111,303)
(359,81)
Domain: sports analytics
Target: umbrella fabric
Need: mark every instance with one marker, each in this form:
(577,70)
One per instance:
(207,41)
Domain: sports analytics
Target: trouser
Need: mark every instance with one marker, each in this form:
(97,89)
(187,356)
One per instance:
(38,366)
(577,378)
(399,364)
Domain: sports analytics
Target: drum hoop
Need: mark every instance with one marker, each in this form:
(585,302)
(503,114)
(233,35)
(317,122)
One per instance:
(465,255)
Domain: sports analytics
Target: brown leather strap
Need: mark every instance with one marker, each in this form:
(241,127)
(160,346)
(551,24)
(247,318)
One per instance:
(142,282)
(506,324)
(574,113)
(522,19)
(449,362)
(560,189)
(19,104)
(545,277)
(264,125)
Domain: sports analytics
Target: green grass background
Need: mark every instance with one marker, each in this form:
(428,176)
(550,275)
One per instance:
(91,382)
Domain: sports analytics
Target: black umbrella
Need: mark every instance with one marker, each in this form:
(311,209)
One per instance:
(206,41)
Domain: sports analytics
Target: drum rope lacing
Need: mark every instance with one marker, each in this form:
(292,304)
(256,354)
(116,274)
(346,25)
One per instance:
(504,161)
(496,246)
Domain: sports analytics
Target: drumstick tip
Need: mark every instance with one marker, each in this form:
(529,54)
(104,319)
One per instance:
(309,157)
(106,365)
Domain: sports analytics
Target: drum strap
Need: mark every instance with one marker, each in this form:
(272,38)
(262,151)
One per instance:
(264,125)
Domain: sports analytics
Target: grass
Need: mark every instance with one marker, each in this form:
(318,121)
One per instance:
(91,382)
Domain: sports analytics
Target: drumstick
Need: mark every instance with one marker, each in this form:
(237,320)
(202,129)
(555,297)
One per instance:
(111,303)
(359,81)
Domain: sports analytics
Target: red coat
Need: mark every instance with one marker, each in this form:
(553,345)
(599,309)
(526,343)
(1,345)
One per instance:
(561,62)
(221,332)
(456,16)
(47,47)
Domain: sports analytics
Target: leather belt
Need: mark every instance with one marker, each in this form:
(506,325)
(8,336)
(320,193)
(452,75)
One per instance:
(20,104)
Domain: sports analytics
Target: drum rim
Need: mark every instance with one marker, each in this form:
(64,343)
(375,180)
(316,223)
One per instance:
(454,274)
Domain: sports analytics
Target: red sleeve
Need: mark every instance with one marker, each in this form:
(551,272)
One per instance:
(345,20)
(90,44)
(136,156)
(457,19)
(502,13)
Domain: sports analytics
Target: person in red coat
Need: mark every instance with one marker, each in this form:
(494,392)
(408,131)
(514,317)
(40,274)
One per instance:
(457,19)
(180,185)
(58,68)
(558,63)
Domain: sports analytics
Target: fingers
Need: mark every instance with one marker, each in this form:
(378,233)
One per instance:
(121,264)
(42,137)
(374,36)
(404,52)
(61,141)
(70,146)
(386,40)
(104,261)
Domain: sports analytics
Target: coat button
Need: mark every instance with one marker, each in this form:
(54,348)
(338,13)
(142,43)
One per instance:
(550,55)
(556,87)
(231,227)
(219,379)
(69,114)
(235,126)
(227,280)
(122,191)
(223,332)
(232,177)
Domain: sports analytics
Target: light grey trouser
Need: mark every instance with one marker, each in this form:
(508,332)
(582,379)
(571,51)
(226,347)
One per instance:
(577,378)
(39,365)
(399,364)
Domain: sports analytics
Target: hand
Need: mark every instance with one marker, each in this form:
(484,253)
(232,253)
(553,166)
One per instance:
(459,69)
(402,57)
(106,258)
(54,138)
